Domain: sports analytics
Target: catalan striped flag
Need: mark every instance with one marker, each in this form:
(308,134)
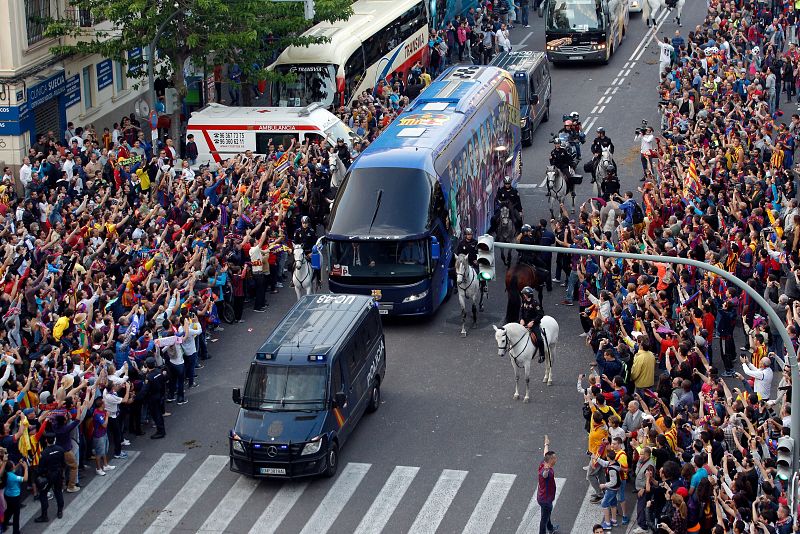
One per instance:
(283,162)
(693,176)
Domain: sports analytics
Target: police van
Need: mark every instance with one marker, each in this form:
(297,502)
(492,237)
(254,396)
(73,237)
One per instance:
(531,75)
(308,385)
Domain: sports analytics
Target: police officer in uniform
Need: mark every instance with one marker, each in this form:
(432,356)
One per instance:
(50,476)
(610,185)
(152,393)
(547,238)
(306,237)
(531,313)
(560,158)
(507,194)
(601,141)
(469,247)
(527,238)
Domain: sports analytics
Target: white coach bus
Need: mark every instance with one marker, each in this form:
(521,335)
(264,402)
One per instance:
(381,38)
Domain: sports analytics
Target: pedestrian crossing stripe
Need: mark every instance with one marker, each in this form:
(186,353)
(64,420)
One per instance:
(428,519)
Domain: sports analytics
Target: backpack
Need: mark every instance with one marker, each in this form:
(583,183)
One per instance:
(638,214)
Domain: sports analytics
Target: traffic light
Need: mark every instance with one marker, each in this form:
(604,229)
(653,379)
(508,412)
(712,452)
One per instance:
(785,457)
(486,257)
(308,9)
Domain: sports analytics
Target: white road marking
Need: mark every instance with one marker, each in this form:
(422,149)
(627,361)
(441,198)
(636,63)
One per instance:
(523,40)
(142,491)
(601,101)
(229,506)
(544,181)
(627,64)
(621,72)
(336,499)
(273,515)
(84,501)
(492,499)
(588,515)
(614,82)
(627,72)
(197,484)
(589,124)
(647,34)
(607,91)
(594,110)
(387,500)
(530,521)
(438,502)
(599,111)
(614,91)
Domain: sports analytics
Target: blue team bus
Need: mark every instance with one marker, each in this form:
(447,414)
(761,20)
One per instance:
(407,198)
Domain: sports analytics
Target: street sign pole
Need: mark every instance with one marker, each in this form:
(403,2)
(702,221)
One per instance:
(776,320)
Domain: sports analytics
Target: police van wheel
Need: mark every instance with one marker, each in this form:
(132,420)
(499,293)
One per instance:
(332,461)
(374,398)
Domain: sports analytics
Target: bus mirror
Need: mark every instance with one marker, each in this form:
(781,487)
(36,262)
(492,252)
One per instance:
(535,100)
(237,396)
(435,249)
(340,399)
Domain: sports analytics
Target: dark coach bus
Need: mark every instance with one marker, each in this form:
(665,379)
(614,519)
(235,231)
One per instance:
(584,30)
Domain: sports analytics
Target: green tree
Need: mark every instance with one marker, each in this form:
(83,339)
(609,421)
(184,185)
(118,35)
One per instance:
(246,32)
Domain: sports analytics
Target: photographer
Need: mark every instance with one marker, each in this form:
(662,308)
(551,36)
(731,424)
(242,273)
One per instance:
(648,149)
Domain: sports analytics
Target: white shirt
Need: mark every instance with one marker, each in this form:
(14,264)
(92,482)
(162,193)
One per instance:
(68,167)
(763,379)
(77,138)
(188,344)
(502,40)
(112,403)
(666,53)
(256,258)
(25,175)
(648,143)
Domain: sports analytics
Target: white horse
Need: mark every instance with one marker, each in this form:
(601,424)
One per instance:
(515,340)
(302,274)
(650,9)
(679,11)
(557,190)
(469,287)
(600,171)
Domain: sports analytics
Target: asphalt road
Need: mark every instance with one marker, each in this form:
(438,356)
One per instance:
(448,446)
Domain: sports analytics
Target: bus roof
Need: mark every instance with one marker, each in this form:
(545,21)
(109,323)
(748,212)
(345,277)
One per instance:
(518,60)
(214,114)
(345,37)
(316,324)
(433,118)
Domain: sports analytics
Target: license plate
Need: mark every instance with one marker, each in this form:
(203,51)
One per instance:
(383,312)
(272,471)
(575,57)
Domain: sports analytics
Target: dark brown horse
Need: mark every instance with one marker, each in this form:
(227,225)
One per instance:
(517,277)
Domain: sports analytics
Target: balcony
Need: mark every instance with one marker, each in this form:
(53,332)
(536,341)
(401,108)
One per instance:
(82,17)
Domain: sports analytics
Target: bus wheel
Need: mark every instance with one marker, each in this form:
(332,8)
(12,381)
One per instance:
(332,461)
(374,398)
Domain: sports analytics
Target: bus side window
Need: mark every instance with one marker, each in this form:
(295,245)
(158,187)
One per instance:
(353,74)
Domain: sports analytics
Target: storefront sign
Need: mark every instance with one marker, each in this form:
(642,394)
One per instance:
(105,74)
(10,128)
(134,62)
(47,90)
(73,95)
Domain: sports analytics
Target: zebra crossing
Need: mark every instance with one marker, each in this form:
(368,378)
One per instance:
(176,492)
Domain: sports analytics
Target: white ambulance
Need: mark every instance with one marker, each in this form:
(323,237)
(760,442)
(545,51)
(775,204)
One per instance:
(222,132)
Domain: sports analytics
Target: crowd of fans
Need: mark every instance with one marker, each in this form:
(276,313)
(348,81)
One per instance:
(688,401)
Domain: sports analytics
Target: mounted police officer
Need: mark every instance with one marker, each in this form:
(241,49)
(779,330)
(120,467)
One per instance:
(560,158)
(527,237)
(572,127)
(152,393)
(510,196)
(600,142)
(469,247)
(531,314)
(306,237)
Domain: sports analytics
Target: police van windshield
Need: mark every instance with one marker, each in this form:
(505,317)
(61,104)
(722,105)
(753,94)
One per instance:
(285,387)
(575,15)
(312,83)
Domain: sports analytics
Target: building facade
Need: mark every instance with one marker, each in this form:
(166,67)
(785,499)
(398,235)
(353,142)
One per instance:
(41,93)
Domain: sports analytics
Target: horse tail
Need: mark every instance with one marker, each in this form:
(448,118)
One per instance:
(512,288)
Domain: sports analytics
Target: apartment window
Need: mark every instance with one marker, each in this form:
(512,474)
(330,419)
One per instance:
(37,13)
(120,78)
(88,83)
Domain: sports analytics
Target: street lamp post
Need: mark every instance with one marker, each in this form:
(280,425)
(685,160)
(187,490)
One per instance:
(776,320)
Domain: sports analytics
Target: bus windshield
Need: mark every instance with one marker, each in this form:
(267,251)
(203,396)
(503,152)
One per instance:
(575,15)
(312,83)
(285,387)
(396,260)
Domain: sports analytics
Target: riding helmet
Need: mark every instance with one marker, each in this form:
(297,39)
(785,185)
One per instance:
(305,219)
(527,290)
(507,180)
(567,122)
(601,130)
(526,228)
(468,231)
(574,115)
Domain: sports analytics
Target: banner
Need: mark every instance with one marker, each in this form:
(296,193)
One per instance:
(105,74)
